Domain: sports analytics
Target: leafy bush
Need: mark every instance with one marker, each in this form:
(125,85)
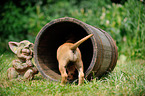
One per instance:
(125,23)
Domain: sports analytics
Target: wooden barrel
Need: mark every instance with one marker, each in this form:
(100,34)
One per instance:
(99,53)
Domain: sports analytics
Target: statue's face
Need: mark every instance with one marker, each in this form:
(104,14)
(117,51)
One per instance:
(24,47)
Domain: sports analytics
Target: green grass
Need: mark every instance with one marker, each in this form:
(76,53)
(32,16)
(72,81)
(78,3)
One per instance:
(128,78)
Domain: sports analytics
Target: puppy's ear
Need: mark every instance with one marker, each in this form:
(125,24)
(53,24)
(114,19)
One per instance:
(14,46)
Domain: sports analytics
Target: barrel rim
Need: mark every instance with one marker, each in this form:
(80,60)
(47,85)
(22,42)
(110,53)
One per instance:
(72,20)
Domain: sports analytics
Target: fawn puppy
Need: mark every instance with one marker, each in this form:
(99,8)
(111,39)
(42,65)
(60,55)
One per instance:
(69,52)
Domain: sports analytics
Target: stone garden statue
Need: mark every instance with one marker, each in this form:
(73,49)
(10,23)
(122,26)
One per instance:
(23,68)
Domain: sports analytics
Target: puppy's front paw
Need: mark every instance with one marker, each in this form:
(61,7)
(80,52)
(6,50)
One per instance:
(80,84)
(61,84)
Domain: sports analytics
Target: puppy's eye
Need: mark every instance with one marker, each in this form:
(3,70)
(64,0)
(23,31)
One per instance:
(71,74)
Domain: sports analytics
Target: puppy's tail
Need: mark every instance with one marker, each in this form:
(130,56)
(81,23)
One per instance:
(80,42)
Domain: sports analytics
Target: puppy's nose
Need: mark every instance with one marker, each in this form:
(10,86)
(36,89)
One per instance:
(69,78)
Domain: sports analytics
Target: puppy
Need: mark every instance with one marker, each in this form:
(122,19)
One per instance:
(71,72)
(69,52)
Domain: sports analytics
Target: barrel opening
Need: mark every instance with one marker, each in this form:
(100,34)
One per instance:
(55,35)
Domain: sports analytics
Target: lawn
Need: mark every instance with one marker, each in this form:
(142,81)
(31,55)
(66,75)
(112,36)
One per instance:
(126,79)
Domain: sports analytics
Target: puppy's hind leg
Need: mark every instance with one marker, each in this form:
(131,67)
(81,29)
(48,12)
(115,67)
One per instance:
(79,66)
(62,69)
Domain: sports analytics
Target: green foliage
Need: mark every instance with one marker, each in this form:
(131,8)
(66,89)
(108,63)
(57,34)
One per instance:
(125,23)
(135,32)
(127,79)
